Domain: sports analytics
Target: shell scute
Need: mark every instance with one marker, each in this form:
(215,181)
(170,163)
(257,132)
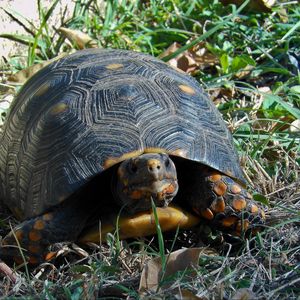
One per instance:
(85,112)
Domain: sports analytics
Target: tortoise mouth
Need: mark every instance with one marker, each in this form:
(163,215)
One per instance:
(139,196)
(155,186)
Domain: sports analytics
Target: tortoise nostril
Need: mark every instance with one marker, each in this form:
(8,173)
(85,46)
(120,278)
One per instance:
(154,167)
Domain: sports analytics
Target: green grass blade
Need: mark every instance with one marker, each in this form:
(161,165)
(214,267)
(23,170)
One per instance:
(288,106)
(20,38)
(206,34)
(44,21)
(161,242)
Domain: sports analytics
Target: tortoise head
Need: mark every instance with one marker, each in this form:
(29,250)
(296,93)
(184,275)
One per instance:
(145,177)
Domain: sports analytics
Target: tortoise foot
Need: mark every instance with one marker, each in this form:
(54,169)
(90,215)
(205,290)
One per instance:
(233,209)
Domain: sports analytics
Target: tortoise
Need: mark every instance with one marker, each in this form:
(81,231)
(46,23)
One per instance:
(103,131)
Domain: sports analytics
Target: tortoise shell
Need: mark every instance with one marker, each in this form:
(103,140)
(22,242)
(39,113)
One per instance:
(88,111)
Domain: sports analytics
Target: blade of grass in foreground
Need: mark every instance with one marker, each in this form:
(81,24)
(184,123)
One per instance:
(161,243)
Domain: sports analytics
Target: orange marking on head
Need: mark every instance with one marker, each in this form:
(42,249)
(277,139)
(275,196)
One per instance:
(187,89)
(47,216)
(215,177)
(239,204)
(220,188)
(170,189)
(207,214)
(254,209)
(235,189)
(34,235)
(114,66)
(229,221)
(39,224)
(218,206)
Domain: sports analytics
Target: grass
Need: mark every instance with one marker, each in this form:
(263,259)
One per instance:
(256,85)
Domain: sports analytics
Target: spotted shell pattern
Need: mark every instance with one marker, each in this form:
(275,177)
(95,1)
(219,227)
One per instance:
(87,111)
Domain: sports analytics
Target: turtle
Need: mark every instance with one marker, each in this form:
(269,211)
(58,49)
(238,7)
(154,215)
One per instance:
(106,131)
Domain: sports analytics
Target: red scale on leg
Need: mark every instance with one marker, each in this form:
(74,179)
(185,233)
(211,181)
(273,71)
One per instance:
(232,208)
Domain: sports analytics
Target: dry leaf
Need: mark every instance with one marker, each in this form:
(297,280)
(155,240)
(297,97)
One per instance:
(25,74)
(190,60)
(80,39)
(254,5)
(179,260)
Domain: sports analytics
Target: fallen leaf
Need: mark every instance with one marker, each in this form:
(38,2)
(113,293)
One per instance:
(180,260)
(79,38)
(197,57)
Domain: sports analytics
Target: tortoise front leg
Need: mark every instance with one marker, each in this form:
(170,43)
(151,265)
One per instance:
(35,235)
(222,201)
